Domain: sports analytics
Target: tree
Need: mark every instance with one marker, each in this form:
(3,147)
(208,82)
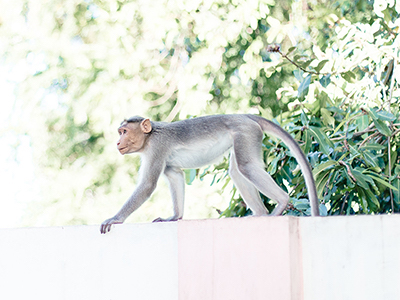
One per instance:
(345,115)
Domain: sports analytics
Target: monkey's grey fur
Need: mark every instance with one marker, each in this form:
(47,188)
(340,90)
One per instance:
(192,143)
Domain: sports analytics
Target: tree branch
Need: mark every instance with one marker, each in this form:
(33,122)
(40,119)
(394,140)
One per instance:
(276,48)
(342,163)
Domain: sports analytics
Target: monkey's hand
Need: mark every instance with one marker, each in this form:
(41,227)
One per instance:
(106,225)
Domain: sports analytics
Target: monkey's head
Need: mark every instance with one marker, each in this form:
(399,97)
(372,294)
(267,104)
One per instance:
(133,134)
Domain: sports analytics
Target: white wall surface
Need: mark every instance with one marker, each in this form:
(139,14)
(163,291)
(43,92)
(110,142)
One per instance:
(321,258)
(351,258)
(131,262)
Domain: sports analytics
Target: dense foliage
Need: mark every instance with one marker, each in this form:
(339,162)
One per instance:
(83,66)
(345,114)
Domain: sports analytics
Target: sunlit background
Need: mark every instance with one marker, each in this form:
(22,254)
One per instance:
(71,71)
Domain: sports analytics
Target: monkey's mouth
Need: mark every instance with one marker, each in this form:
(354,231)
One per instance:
(121,149)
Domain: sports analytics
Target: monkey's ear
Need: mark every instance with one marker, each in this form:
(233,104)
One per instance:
(145,126)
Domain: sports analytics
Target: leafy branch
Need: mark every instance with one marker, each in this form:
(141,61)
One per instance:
(276,49)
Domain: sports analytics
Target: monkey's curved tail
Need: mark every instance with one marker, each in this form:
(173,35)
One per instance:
(274,129)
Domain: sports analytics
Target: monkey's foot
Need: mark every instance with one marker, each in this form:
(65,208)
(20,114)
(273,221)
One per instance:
(170,219)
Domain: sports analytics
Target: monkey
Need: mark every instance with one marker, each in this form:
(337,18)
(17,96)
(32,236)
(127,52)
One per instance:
(167,148)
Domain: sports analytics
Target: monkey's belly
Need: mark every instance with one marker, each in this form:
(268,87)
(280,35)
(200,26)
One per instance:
(199,154)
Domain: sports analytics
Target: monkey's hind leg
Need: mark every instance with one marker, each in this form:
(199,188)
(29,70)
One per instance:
(249,193)
(176,182)
(251,166)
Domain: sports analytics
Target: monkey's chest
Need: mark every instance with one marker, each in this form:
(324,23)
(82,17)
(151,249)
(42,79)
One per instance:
(199,154)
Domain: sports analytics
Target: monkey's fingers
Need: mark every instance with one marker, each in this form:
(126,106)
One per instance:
(105,228)
(158,220)
(106,225)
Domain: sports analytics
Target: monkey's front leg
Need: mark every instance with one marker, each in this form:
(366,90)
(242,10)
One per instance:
(176,182)
(139,196)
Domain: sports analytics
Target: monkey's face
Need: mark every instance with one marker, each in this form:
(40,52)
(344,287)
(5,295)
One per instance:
(131,138)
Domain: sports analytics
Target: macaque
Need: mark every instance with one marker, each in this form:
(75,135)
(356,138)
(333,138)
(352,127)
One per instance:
(167,148)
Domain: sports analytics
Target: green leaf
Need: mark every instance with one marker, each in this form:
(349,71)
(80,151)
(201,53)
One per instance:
(327,119)
(379,122)
(305,64)
(300,59)
(361,197)
(324,142)
(273,166)
(282,63)
(321,64)
(396,193)
(301,206)
(373,114)
(371,199)
(362,122)
(307,141)
(226,183)
(324,99)
(304,86)
(349,76)
(353,151)
(385,116)
(323,167)
(213,181)
(383,182)
(382,127)
(321,181)
(286,173)
(323,211)
(381,115)
(298,74)
(290,50)
(339,126)
(373,146)
(370,158)
(348,210)
(303,118)
(325,80)
(360,178)
(349,180)
(190,175)
(379,118)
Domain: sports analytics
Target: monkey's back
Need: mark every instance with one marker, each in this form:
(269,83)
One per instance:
(202,140)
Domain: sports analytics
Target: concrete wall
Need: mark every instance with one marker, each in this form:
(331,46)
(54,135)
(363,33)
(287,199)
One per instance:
(132,262)
(236,258)
(351,257)
(252,258)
